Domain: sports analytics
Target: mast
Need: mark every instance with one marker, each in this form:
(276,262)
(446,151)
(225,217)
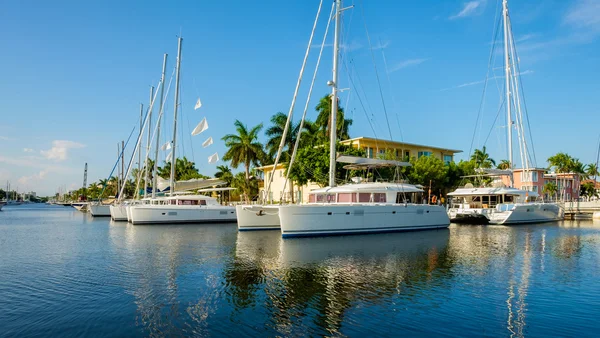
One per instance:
(140,153)
(122,165)
(174,157)
(118,169)
(507,83)
(160,115)
(334,85)
(148,141)
(85,182)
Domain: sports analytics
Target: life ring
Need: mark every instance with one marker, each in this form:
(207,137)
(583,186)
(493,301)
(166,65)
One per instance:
(434,199)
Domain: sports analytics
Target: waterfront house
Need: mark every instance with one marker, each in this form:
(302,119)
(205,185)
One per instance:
(374,148)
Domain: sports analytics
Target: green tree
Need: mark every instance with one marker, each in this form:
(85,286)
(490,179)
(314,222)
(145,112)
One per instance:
(248,186)
(184,170)
(312,164)
(482,158)
(550,189)
(503,165)
(592,170)
(224,173)
(244,147)
(323,120)
(588,189)
(426,170)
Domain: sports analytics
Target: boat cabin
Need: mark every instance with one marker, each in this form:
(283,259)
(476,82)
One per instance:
(372,192)
(489,198)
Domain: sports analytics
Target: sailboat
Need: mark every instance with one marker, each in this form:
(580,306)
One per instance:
(360,207)
(181,205)
(500,204)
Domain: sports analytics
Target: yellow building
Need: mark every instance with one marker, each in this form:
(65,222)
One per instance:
(373,147)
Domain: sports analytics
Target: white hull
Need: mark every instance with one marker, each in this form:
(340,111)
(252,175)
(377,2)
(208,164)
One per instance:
(342,219)
(258,217)
(99,210)
(80,206)
(522,213)
(118,212)
(128,212)
(170,214)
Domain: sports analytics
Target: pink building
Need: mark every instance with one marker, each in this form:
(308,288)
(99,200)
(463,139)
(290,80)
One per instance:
(534,180)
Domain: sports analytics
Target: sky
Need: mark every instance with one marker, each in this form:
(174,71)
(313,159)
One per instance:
(75,73)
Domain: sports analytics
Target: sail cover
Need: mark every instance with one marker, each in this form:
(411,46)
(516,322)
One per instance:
(213,158)
(208,142)
(198,104)
(202,126)
(193,184)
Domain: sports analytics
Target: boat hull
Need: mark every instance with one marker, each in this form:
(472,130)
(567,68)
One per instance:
(99,210)
(128,212)
(80,206)
(118,213)
(524,213)
(170,214)
(345,219)
(257,217)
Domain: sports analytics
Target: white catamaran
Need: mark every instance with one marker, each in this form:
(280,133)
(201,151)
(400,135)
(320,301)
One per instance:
(500,204)
(357,207)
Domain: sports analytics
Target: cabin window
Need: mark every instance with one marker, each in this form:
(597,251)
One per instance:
(330,198)
(312,198)
(321,198)
(346,197)
(202,202)
(379,197)
(187,202)
(364,197)
(508,199)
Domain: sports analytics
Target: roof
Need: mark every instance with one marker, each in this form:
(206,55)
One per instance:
(491,191)
(363,163)
(270,167)
(371,187)
(389,143)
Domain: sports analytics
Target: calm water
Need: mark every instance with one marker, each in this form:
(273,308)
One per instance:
(63,273)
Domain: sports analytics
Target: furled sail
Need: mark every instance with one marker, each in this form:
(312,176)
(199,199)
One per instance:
(213,158)
(198,104)
(208,142)
(193,184)
(202,126)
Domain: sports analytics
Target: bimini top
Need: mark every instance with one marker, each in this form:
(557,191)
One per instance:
(492,191)
(370,187)
(363,163)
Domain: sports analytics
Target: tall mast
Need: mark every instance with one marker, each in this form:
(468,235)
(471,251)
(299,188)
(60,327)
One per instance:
(148,142)
(137,193)
(160,114)
(85,182)
(507,83)
(334,86)
(174,157)
(122,165)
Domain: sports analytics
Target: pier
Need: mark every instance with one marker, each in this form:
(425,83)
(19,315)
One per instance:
(579,210)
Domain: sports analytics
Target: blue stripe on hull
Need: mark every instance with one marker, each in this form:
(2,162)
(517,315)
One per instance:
(258,228)
(360,232)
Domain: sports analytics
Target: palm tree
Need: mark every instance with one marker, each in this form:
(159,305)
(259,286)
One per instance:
(224,173)
(323,119)
(184,170)
(504,165)
(592,170)
(550,188)
(244,148)
(482,158)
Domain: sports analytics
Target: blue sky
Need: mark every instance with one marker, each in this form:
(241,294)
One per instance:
(75,73)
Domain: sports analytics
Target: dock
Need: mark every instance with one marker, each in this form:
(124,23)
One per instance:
(581,210)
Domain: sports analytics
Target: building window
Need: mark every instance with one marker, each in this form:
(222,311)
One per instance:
(529,176)
(407,155)
(370,152)
(423,153)
(447,159)
(381,153)
(397,153)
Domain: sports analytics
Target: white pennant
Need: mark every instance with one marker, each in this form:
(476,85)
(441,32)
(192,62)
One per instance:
(166,146)
(213,158)
(169,157)
(202,126)
(208,142)
(198,104)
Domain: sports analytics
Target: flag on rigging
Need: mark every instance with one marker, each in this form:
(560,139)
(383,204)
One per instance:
(213,158)
(202,126)
(169,157)
(198,104)
(208,142)
(166,146)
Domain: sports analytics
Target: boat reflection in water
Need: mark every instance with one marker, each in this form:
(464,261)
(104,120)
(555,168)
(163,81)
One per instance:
(320,279)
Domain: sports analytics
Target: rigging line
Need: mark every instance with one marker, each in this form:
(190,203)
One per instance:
(360,101)
(482,100)
(117,162)
(496,119)
(301,126)
(524,103)
(394,106)
(291,110)
(362,10)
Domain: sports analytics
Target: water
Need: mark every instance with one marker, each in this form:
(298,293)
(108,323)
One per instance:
(63,273)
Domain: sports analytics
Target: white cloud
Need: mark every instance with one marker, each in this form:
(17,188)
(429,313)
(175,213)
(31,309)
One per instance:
(28,150)
(584,14)
(30,180)
(60,149)
(407,63)
(469,9)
